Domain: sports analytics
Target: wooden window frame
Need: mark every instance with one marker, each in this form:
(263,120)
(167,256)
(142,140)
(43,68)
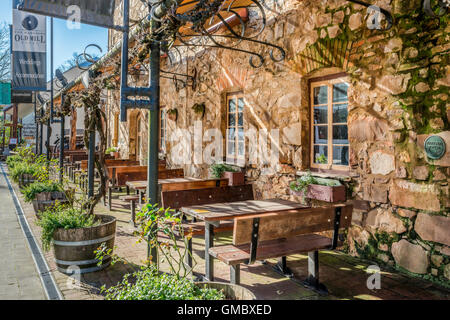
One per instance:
(329,81)
(235,158)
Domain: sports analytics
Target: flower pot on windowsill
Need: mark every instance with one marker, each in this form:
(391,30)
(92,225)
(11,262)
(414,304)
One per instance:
(234,178)
(116,155)
(326,193)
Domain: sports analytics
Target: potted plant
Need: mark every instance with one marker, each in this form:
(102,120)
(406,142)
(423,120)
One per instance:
(113,151)
(329,190)
(162,229)
(75,235)
(172,114)
(44,194)
(199,108)
(221,170)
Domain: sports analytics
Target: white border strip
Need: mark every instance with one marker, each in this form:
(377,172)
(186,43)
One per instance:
(48,282)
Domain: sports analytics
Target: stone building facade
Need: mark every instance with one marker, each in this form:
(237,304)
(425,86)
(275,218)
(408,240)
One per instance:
(395,86)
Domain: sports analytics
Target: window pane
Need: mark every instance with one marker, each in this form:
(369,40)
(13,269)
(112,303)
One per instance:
(241,134)
(321,154)
(231,147)
(240,119)
(320,134)
(232,119)
(231,105)
(231,132)
(340,92)
(321,95)
(241,148)
(340,155)
(340,134)
(320,114)
(340,113)
(240,104)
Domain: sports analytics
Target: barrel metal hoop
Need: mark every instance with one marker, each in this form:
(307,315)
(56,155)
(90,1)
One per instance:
(82,243)
(86,270)
(78,263)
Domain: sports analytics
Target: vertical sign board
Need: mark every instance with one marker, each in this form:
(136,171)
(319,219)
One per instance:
(5,93)
(94,12)
(29,47)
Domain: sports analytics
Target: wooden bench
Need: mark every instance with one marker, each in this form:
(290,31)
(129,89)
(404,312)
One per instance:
(277,235)
(124,174)
(182,198)
(112,162)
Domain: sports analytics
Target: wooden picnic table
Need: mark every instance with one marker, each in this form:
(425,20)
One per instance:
(212,214)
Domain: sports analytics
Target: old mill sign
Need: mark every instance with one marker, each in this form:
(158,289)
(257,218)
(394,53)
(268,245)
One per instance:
(434,147)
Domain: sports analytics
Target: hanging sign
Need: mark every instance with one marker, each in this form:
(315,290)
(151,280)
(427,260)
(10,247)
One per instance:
(435,147)
(98,12)
(21,96)
(29,47)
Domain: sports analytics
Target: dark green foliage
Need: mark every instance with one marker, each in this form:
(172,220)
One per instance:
(34,188)
(62,217)
(149,285)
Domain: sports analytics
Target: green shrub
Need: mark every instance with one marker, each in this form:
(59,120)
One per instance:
(149,285)
(21,168)
(62,217)
(218,169)
(34,188)
(11,161)
(111,149)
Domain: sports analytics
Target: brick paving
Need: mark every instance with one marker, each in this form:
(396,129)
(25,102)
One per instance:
(19,278)
(345,276)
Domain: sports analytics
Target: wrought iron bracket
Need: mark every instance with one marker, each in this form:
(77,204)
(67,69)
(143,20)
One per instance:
(336,226)
(254,241)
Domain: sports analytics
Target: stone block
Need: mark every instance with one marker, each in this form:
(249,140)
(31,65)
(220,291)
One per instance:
(421,173)
(410,256)
(383,220)
(375,193)
(394,84)
(367,128)
(433,228)
(413,195)
(382,162)
(406,213)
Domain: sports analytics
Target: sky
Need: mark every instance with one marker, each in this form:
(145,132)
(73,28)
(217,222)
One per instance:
(66,41)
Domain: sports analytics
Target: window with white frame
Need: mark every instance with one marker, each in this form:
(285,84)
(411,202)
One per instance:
(329,132)
(235,139)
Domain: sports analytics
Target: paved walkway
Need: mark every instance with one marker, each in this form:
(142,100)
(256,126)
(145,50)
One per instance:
(19,278)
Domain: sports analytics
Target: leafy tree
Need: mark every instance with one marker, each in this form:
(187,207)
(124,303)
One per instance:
(5,54)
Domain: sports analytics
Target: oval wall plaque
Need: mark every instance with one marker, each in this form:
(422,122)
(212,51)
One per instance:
(434,147)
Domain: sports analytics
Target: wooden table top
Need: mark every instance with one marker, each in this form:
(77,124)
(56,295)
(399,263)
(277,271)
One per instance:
(231,210)
(142,185)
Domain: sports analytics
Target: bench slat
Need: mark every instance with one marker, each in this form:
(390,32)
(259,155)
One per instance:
(198,228)
(290,223)
(233,255)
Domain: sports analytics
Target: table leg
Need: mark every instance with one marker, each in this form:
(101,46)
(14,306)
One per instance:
(209,260)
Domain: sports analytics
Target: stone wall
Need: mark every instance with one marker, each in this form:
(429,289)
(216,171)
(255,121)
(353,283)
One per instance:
(398,96)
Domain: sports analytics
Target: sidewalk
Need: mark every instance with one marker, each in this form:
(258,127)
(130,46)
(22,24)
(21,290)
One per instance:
(19,278)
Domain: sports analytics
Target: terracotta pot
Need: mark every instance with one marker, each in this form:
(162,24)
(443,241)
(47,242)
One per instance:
(326,193)
(234,178)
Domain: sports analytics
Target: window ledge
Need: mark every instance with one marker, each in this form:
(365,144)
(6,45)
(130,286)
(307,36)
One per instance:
(329,175)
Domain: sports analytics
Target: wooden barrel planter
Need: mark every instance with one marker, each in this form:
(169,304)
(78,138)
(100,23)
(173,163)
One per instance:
(25,180)
(74,248)
(231,291)
(45,200)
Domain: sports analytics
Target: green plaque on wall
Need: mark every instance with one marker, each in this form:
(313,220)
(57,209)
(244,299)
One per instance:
(435,147)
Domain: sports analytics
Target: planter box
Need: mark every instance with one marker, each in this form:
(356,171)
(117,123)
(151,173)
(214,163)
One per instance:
(234,178)
(326,193)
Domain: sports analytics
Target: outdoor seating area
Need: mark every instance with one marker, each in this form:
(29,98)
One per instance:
(235,150)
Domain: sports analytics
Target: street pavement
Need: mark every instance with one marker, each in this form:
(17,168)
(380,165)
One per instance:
(19,279)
